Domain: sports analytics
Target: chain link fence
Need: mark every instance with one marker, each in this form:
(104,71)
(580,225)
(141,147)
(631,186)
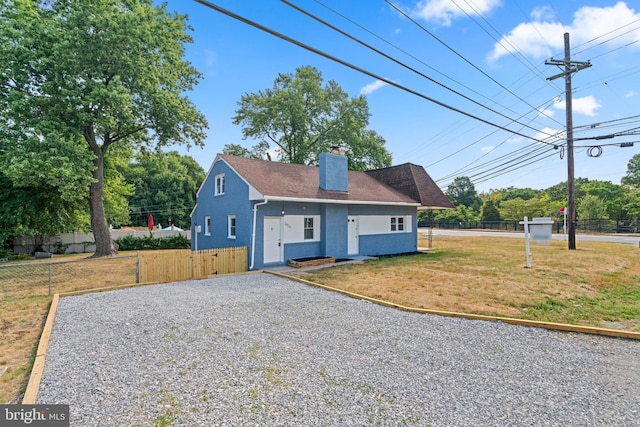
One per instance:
(42,278)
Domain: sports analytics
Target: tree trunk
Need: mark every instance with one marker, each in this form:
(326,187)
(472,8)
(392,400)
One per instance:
(104,245)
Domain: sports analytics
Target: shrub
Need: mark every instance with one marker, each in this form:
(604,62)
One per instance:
(132,243)
(12,256)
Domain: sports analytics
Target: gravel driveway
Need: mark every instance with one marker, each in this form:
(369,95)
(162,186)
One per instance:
(257,349)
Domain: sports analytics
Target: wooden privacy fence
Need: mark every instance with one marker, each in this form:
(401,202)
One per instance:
(184,264)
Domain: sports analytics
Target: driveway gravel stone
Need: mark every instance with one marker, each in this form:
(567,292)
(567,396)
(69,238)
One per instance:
(261,350)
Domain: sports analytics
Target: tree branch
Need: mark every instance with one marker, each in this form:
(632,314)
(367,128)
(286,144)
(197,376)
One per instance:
(275,141)
(120,137)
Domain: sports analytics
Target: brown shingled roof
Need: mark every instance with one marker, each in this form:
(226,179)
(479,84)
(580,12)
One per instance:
(413,181)
(276,179)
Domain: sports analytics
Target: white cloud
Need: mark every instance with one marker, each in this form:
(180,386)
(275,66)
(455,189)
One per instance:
(631,94)
(372,87)
(487,149)
(586,105)
(544,37)
(551,136)
(542,13)
(526,39)
(445,11)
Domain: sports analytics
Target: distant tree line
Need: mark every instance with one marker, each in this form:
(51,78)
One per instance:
(595,200)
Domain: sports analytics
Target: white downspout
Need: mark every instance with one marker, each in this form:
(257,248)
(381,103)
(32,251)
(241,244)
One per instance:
(253,232)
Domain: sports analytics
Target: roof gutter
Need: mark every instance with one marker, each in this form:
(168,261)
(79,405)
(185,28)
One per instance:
(339,202)
(253,231)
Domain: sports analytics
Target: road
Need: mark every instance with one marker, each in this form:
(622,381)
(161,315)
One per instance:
(629,239)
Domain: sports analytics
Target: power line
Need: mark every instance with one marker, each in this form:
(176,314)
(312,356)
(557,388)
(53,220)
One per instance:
(424,63)
(500,162)
(402,64)
(505,159)
(397,62)
(532,67)
(475,142)
(357,68)
(606,34)
(457,53)
(510,168)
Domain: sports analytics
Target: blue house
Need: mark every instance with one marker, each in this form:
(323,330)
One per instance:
(284,211)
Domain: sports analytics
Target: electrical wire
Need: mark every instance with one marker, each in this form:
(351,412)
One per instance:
(357,68)
(402,64)
(457,53)
(499,161)
(475,142)
(532,67)
(606,34)
(490,99)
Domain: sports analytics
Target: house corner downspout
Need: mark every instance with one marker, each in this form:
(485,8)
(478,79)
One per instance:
(253,232)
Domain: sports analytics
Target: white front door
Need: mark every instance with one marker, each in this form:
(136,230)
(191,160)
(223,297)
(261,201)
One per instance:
(353,248)
(273,249)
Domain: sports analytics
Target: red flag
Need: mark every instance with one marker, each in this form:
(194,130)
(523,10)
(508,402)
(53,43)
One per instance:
(150,222)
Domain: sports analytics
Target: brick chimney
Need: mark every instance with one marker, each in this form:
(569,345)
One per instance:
(334,171)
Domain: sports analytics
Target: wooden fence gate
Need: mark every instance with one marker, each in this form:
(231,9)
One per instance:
(184,264)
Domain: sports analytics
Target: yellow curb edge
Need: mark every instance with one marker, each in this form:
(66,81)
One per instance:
(38,364)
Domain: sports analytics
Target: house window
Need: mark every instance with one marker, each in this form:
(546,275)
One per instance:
(207,226)
(397,223)
(219,190)
(308,228)
(231,226)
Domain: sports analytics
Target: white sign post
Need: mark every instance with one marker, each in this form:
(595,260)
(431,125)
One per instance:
(526,240)
(541,228)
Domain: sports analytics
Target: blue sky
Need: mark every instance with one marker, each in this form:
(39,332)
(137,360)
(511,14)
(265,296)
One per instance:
(487,58)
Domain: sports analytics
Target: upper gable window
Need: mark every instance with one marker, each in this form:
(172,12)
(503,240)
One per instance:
(219,185)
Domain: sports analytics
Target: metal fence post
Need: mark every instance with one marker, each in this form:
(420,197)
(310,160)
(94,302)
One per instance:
(138,267)
(50,268)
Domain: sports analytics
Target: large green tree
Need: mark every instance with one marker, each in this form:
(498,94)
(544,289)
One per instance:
(97,73)
(259,151)
(592,207)
(303,117)
(489,211)
(41,185)
(614,197)
(462,192)
(559,192)
(510,193)
(517,209)
(632,177)
(165,186)
(36,210)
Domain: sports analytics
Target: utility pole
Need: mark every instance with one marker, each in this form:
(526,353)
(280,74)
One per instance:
(570,67)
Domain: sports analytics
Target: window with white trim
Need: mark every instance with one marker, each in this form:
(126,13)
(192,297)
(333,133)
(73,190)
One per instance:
(207,226)
(397,223)
(301,228)
(308,228)
(219,185)
(231,226)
